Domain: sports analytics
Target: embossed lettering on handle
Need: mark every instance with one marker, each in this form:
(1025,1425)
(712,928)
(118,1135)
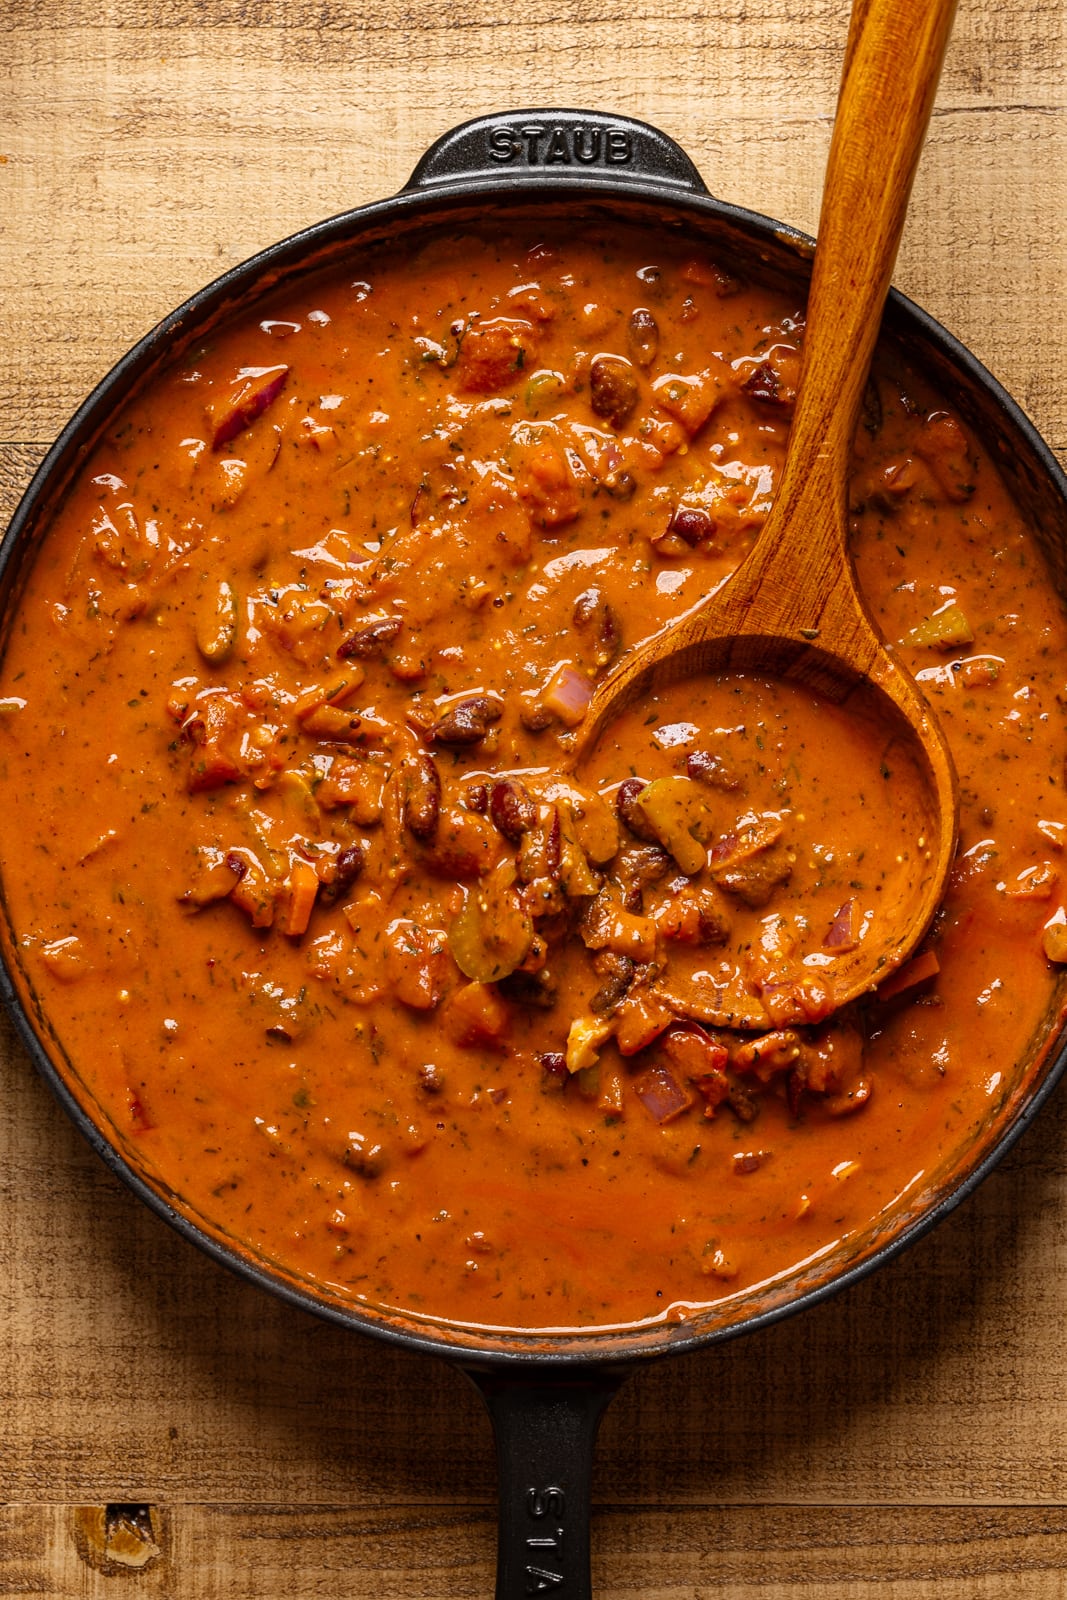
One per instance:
(545,1570)
(565,146)
(545,1422)
(547,144)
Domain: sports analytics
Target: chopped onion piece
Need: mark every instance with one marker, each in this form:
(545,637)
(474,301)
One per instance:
(567,694)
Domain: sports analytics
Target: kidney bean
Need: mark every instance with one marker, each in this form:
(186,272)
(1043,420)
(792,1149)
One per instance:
(629,812)
(535,716)
(465,723)
(592,614)
(511,808)
(613,390)
(691,523)
(765,385)
(371,640)
(643,336)
(708,767)
(350,864)
(346,869)
(364,1158)
(553,1064)
(422,798)
(430,1079)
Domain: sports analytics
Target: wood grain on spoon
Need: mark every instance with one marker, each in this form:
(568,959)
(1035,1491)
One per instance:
(793,607)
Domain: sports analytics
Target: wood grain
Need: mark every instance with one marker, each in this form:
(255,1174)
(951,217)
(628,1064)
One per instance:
(906,1440)
(215,1552)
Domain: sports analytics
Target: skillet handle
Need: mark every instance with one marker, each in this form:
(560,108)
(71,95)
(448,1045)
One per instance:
(545,1425)
(558,146)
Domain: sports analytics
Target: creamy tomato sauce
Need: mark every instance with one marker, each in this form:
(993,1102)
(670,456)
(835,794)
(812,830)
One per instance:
(294,863)
(731,778)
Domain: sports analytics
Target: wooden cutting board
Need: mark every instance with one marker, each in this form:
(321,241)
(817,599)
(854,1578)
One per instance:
(167,1431)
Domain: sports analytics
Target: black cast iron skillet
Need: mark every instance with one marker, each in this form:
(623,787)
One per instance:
(546,1392)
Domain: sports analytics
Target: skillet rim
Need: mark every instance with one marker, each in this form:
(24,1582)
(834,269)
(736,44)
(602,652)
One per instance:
(906,324)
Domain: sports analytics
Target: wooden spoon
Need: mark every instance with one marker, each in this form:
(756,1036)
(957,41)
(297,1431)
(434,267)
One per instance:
(793,609)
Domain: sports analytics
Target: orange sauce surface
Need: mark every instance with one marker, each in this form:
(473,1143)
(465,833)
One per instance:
(291,864)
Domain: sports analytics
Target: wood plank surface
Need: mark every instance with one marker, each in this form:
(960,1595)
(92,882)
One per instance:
(906,1440)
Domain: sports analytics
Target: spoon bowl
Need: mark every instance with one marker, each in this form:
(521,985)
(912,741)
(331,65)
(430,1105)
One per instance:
(793,609)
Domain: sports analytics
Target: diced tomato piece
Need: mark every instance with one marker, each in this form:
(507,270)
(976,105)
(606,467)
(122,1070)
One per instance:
(1034,883)
(464,845)
(254,890)
(477,1015)
(699,1059)
(215,725)
(693,1051)
(946,450)
(547,484)
(768,1054)
(416,963)
(639,1020)
(357,785)
(689,400)
(494,354)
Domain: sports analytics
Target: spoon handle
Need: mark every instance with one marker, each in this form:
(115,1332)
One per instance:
(892,66)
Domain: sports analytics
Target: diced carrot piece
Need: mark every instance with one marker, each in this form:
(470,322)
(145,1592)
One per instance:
(334,724)
(301,888)
(1035,883)
(919,970)
(336,692)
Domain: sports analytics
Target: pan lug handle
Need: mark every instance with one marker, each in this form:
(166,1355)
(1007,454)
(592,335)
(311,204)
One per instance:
(559,146)
(545,1423)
